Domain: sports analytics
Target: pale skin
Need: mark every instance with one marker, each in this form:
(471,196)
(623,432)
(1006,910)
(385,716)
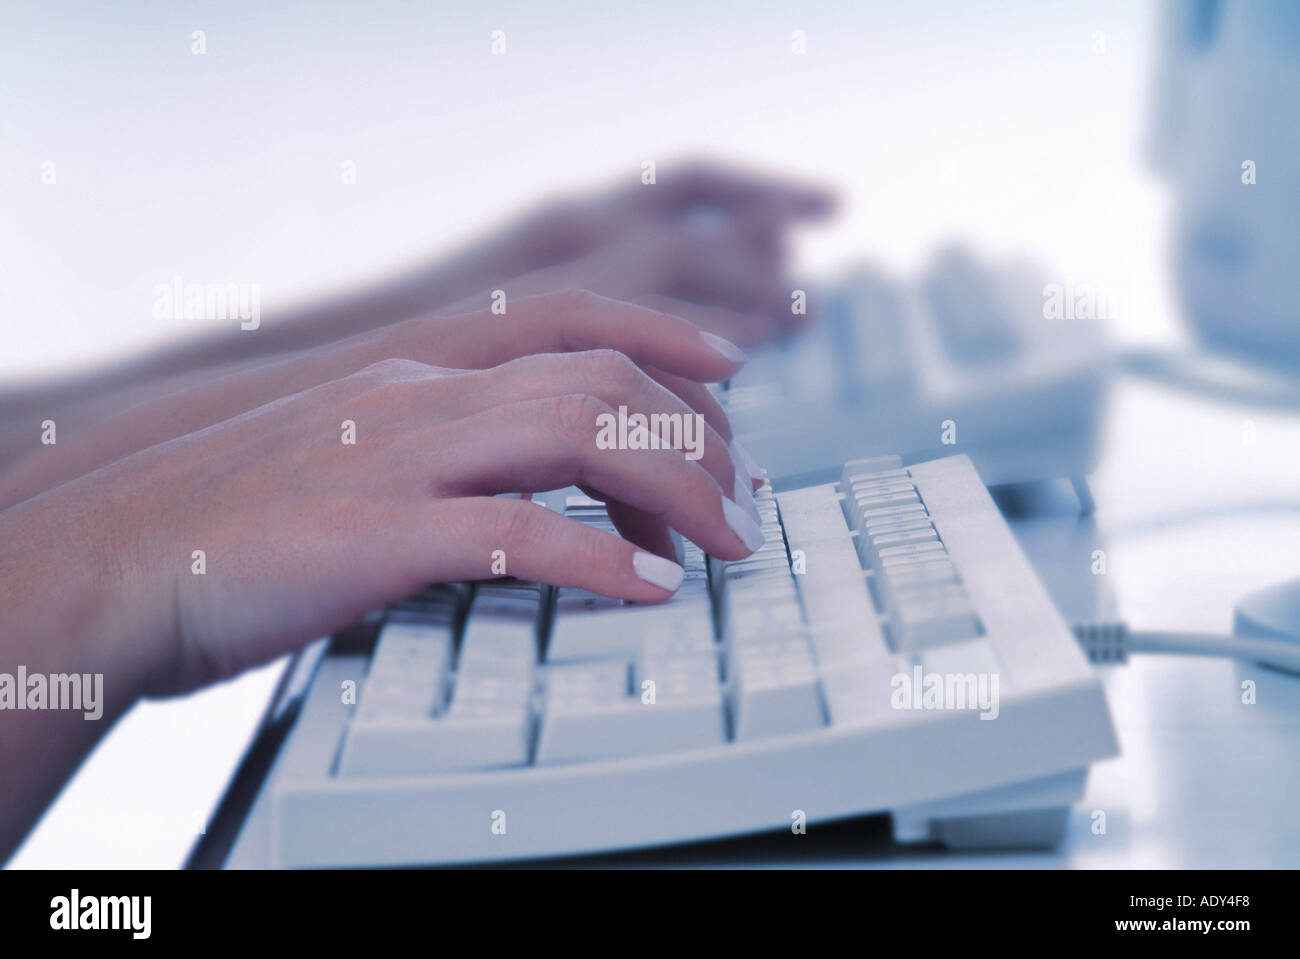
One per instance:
(704,243)
(302,533)
(557,322)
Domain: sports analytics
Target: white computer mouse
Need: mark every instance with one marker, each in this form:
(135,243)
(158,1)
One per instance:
(1271,613)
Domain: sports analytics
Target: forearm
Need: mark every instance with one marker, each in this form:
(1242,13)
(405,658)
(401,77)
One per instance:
(425,288)
(96,436)
(63,587)
(103,426)
(46,440)
(84,399)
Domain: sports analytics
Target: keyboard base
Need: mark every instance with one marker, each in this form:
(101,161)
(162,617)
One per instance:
(944,773)
(319,820)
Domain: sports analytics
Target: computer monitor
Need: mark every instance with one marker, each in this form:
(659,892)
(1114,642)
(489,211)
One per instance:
(1224,135)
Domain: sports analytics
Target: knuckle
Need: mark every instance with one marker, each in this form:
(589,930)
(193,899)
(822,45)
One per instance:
(576,414)
(514,524)
(575,300)
(395,369)
(610,367)
(698,486)
(537,366)
(589,548)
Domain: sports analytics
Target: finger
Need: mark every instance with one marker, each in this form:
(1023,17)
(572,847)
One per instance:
(745,327)
(572,321)
(703,182)
(617,381)
(698,397)
(722,270)
(574,440)
(640,527)
(647,530)
(538,544)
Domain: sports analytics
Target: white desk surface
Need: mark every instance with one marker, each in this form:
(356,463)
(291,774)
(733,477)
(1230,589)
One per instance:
(1192,516)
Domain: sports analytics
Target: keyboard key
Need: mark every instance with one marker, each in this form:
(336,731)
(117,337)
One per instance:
(501,632)
(597,681)
(880,544)
(865,502)
(890,513)
(487,724)
(843,627)
(912,554)
(901,525)
(970,656)
(862,491)
(945,618)
(414,719)
(589,714)
(471,736)
(409,670)
(895,580)
(584,628)
(868,468)
(398,696)
(860,694)
(754,622)
(774,689)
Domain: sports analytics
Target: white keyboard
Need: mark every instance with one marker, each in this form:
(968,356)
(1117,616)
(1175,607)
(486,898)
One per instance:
(888,369)
(505,720)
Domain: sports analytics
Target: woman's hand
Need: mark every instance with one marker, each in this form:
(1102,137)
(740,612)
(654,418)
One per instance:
(704,242)
(670,349)
(301,532)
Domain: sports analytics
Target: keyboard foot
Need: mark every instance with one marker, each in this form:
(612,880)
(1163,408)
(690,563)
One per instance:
(1019,829)
(1084,495)
(1022,829)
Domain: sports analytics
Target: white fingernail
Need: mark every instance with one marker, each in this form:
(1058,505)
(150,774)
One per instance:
(744,495)
(658,571)
(743,480)
(727,348)
(742,525)
(739,452)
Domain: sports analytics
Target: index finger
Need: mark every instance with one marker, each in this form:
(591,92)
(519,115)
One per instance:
(575,321)
(703,183)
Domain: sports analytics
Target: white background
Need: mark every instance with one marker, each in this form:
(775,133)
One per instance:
(996,123)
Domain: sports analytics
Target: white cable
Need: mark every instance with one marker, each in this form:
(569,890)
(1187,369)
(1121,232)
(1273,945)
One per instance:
(1195,372)
(1112,642)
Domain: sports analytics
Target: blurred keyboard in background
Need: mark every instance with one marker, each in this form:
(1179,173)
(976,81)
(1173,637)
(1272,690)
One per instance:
(962,362)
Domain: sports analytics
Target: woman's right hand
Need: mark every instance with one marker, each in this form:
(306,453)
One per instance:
(302,533)
(673,351)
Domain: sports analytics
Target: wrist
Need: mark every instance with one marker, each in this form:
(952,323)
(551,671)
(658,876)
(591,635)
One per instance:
(77,592)
(68,649)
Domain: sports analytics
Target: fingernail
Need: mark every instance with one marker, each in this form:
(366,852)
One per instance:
(657,571)
(742,525)
(744,495)
(743,461)
(730,350)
